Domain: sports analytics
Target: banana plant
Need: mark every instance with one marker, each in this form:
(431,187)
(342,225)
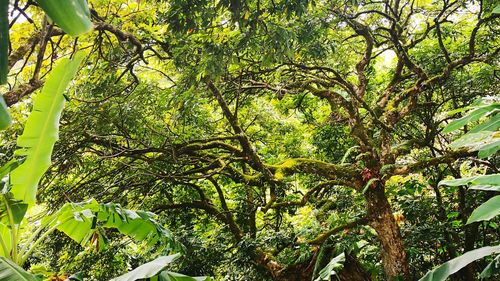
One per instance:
(84,222)
(155,271)
(484,138)
(73,16)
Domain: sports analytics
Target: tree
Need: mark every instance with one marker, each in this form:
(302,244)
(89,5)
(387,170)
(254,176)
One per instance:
(290,80)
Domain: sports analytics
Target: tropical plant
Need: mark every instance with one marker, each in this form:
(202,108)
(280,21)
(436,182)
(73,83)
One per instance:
(229,120)
(72,16)
(484,138)
(155,271)
(332,268)
(83,222)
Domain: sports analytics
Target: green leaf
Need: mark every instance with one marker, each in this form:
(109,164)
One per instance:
(491,269)
(492,124)
(173,276)
(496,10)
(42,130)
(73,16)
(442,272)
(5,119)
(474,141)
(369,183)
(486,211)
(472,116)
(81,221)
(16,207)
(331,268)
(76,277)
(4,44)
(489,180)
(485,187)
(9,271)
(9,167)
(489,149)
(147,270)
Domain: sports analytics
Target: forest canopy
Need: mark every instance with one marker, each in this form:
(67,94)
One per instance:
(249,140)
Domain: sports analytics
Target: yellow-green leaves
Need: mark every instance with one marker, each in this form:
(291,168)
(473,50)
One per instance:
(42,130)
(73,16)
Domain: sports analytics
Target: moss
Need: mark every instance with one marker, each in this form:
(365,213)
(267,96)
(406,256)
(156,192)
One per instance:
(304,165)
(287,164)
(249,178)
(279,174)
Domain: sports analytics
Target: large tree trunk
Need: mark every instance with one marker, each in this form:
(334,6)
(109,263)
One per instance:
(392,247)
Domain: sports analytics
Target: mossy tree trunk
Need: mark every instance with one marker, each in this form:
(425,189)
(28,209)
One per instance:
(394,259)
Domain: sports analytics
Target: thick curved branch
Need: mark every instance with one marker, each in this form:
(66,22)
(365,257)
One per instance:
(349,173)
(391,170)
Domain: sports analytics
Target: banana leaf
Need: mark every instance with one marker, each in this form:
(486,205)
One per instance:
(42,130)
(73,16)
(84,222)
(9,271)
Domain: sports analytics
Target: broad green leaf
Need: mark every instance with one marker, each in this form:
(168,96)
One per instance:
(173,276)
(147,270)
(9,167)
(73,16)
(471,116)
(16,207)
(486,211)
(5,119)
(4,48)
(9,271)
(485,187)
(492,268)
(496,10)
(474,141)
(81,221)
(477,180)
(331,268)
(492,124)
(489,149)
(76,277)
(42,130)
(442,272)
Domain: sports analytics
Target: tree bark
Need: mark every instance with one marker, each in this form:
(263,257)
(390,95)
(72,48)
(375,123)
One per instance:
(394,259)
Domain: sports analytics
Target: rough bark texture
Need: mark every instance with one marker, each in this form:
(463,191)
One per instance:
(394,257)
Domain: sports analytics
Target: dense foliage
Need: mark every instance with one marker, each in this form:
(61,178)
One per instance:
(264,139)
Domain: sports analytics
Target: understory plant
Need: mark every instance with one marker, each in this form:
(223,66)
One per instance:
(485,139)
